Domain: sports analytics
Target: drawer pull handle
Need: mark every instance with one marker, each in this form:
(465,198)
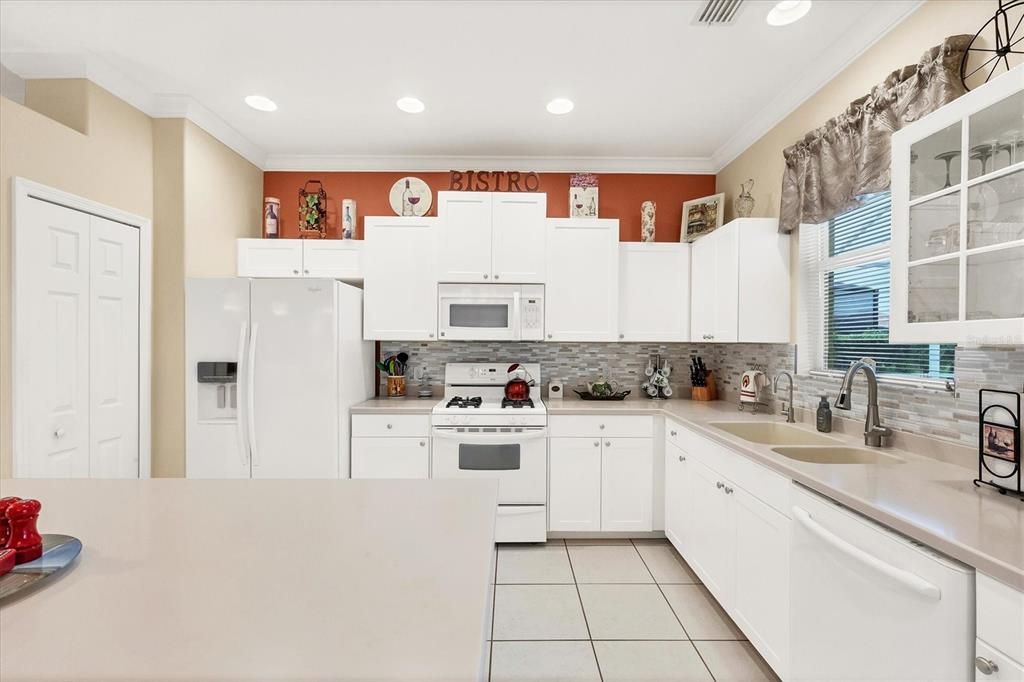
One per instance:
(985,666)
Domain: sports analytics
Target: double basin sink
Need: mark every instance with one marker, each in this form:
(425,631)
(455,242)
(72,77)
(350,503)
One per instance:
(803,445)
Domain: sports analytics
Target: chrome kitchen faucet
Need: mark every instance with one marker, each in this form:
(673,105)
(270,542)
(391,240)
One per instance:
(786,410)
(873,429)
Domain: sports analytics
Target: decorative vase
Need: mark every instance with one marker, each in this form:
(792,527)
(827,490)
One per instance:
(647,210)
(744,204)
(348,219)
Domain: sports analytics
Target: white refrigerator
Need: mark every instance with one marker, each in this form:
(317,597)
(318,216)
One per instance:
(272,367)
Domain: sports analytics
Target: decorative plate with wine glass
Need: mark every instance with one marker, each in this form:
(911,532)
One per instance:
(410,196)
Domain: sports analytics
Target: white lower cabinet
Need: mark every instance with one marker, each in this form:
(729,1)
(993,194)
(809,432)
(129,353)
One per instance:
(627,474)
(999,649)
(574,484)
(601,474)
(735,541)
(390,458)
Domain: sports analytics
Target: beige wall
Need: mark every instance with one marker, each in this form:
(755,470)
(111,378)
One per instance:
(905,44)
(200,195)
(113,165)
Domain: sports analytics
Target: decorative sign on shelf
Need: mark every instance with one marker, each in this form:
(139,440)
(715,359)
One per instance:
(493,181)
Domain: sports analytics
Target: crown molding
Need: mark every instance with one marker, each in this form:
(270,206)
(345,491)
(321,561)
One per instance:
(545,164)
(854,43)
(30,65)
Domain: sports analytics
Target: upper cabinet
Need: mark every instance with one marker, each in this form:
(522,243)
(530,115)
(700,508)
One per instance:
(958,220)
(582,292)
(654,292)
(740,283)
(334,258)
(492,237)
(400,279)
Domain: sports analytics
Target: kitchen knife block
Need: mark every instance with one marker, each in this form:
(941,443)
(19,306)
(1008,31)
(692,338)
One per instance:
(709,392)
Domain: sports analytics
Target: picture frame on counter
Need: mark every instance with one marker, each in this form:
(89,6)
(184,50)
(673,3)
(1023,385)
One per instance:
(999,459)
(702,216)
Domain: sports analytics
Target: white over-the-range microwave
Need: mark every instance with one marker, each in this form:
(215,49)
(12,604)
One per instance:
(490,312)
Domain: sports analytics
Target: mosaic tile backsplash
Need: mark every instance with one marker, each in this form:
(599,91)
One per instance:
(934,412)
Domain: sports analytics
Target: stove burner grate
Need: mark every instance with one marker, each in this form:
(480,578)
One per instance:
(505,402)
(459,401)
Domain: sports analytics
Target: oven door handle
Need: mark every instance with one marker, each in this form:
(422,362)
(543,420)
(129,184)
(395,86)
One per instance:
(489,438)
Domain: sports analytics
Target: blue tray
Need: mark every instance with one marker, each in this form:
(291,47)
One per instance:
(59,551)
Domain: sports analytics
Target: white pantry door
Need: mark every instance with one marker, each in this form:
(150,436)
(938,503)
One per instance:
(113,350)
(78,284)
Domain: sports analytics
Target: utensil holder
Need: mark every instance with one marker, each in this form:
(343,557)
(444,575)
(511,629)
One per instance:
(709,392)
(396,387)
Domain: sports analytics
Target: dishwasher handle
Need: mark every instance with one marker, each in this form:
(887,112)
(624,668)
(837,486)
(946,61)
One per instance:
(904,578)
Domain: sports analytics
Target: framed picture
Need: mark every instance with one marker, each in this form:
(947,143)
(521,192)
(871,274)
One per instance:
(999,441)
(701,216)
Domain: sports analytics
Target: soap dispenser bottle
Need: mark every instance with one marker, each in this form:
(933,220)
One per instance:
(824,416)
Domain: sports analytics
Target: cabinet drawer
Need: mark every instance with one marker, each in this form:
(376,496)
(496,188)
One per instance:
(1006,670)
(521,523)
(1001,617)
(602,427)
(383,425)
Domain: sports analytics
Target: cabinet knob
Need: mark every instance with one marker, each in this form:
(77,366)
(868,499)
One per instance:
(423,443)
(728,490)
(607,443)
(681,458)
(430,336)
(985,666)
(305,272)
(389,426)
(495,277)
(485,276)
(622,336)
(549,336)
(673,433)
(442,333)
(295,272)
(58,432)
(601,426)
(597,443)
(719,485)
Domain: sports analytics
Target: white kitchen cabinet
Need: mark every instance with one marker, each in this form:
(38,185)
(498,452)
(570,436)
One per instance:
(992,665)
(334,258)
(492,237)
(269,257)
(400,279)
(712,547)
(574,484)
(999,647)
(627,475)
(678,503)
(740,283)
(391,457)
(654,292)
(761,570)
(582,293)
(957,244)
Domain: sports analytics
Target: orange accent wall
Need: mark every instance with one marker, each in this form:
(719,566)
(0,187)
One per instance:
(620,197)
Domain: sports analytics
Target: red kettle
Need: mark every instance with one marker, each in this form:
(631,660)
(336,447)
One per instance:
(519,380)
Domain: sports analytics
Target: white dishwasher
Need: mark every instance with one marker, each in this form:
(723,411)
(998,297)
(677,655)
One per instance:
(868,604)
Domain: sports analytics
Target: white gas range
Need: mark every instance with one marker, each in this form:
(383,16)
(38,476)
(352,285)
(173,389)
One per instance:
(477,433)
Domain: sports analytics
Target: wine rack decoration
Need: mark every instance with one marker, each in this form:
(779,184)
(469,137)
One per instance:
(313,210)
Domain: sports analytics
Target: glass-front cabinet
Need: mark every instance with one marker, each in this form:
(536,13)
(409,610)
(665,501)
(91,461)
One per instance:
(958,220)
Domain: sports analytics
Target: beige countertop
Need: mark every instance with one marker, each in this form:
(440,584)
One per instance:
(406,405)
(931,501)
(258,580)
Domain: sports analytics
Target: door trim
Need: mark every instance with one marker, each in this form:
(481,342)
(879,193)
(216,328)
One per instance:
(22,191)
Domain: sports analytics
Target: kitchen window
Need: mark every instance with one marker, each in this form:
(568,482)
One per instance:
(844,298)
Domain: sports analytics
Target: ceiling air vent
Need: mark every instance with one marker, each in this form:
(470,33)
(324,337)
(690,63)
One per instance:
(718,12)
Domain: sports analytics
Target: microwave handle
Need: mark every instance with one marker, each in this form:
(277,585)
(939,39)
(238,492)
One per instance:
(517,325)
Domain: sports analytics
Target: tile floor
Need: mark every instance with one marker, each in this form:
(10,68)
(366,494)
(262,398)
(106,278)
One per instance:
(605,611)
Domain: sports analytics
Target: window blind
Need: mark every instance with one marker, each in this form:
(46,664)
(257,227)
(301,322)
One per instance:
(844,296)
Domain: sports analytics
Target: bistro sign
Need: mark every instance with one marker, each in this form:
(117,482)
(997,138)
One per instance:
(493,181)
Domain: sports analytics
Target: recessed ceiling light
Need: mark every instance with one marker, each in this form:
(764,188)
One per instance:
(788,11)
(560,105)
(261,103)
(410,105)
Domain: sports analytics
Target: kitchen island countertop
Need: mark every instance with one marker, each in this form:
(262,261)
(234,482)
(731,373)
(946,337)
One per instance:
(258,580)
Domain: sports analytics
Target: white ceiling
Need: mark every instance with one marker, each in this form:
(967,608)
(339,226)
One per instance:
(652,90)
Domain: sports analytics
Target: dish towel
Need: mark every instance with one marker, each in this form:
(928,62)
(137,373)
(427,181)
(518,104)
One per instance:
(751,384)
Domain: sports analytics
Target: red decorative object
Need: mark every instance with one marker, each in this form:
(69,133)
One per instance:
(7,559)
(25,539)
(5,526)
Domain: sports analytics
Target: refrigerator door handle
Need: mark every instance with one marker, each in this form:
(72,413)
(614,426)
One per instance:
(250,390)
(243,446)
(899,576)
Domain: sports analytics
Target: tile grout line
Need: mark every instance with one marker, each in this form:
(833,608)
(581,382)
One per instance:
(674,614)
(579,596)
(494,608)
